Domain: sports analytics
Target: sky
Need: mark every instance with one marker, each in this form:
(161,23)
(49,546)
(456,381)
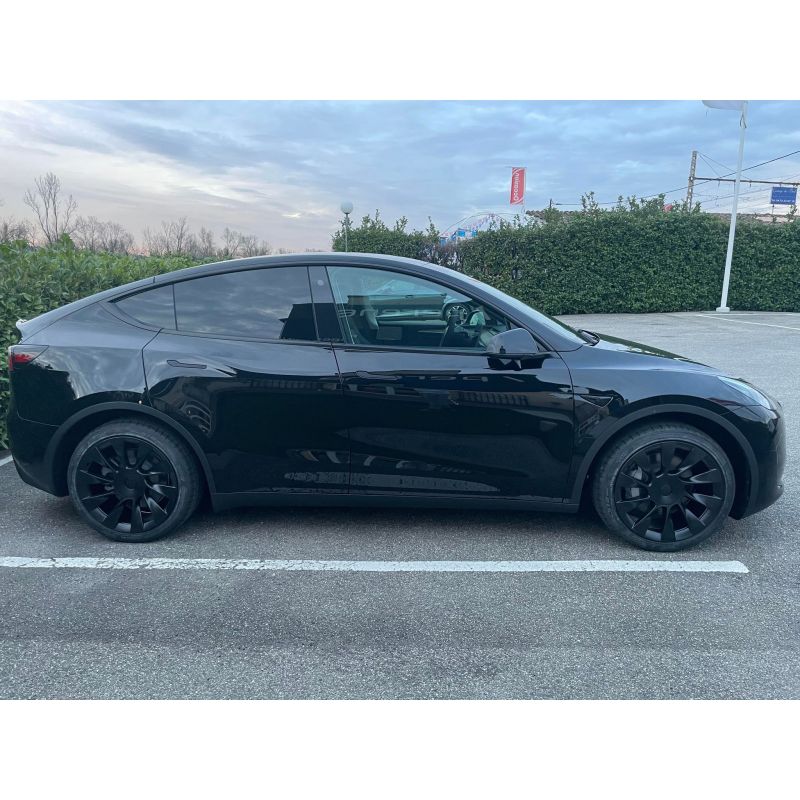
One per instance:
(280,169)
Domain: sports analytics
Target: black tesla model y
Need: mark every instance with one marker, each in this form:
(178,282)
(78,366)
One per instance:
(335,379)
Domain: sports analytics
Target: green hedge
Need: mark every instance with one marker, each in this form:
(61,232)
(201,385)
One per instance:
(628,263)
(33,281)
(614,261)
(373,235)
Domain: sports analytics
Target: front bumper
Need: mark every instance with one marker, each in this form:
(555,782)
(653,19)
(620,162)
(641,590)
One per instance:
(765,431)
(771,467)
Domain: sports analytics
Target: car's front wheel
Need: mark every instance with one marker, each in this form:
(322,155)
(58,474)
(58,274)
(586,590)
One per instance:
(133,481)
(664,487)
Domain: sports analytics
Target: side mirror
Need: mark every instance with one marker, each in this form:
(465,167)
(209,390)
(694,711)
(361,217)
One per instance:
(516,343)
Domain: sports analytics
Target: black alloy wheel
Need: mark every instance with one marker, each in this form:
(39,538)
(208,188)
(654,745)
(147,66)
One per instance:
(664,487)
(669,491)
(127,484)
(133,481)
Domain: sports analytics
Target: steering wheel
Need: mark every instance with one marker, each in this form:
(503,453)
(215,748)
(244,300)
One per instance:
(461,312)
(457,315)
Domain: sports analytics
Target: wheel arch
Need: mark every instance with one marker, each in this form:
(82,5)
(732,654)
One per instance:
(72,430)
(731,440)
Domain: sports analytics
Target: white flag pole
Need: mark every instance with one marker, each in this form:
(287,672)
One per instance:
(723,305)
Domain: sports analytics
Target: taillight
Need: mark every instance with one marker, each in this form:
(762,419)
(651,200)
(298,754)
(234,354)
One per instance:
(20,354)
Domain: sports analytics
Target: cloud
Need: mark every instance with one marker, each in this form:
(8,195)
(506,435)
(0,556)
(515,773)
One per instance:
(280,169)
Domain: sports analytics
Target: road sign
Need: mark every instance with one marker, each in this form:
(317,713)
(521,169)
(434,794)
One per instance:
(783,196)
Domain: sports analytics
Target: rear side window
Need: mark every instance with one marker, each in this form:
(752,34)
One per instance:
(154,307)
(259,303)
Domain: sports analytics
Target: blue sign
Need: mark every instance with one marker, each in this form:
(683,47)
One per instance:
(784,195)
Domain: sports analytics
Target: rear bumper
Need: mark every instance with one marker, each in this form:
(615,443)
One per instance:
(29,441)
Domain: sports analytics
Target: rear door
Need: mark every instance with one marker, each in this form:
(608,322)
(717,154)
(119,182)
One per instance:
(427,412)
(241,366)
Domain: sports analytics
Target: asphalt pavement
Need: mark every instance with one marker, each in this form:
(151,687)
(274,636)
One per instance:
(260,633)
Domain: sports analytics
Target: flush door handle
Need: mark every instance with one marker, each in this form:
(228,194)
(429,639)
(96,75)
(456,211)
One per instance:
(186,364)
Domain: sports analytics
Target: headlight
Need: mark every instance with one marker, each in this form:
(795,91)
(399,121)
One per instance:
(749,394)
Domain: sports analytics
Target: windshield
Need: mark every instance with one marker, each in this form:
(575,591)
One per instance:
(545,320)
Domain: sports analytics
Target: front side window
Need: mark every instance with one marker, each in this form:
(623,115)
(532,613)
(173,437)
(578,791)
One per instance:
(257,304)
(380,307)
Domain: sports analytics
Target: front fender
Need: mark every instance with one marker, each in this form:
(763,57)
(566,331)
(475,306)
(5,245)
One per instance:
(591,440)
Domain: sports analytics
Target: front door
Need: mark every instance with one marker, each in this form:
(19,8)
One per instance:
(427,412)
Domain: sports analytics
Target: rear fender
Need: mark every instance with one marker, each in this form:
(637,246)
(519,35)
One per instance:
(72,430)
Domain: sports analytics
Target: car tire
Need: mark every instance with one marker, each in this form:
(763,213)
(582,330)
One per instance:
(133,481)
(664,487)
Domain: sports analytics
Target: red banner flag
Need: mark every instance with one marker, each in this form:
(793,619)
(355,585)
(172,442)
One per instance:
(517,185)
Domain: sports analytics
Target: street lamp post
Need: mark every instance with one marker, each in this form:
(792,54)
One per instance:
(723,305)
(347,209)
(741,107)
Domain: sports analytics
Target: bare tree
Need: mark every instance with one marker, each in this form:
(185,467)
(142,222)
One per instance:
(12,230)
(115,239)
(55,213)
(87,233)
(206,248)
(102,237)
(154,242)
(174,239)
(236,244)
(180,237)
(250,246)
(231,243)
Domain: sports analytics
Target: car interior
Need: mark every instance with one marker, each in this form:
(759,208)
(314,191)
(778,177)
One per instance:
(410,312)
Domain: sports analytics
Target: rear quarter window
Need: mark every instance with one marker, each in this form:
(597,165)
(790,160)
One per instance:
(154,307)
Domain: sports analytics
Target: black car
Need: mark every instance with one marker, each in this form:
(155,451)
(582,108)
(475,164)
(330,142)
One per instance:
(338,379)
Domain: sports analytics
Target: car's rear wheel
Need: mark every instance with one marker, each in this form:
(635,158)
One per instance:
(664,487)
(133,481)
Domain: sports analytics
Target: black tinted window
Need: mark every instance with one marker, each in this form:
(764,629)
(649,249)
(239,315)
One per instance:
(259,303)
(154,307)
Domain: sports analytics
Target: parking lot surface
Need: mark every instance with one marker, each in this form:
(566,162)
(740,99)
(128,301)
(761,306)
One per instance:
(267,632)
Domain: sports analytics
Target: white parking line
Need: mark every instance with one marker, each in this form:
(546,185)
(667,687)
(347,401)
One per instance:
(6,460)
(307,565)
(725,318)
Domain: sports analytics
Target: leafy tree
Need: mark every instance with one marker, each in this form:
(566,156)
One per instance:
(589,205)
